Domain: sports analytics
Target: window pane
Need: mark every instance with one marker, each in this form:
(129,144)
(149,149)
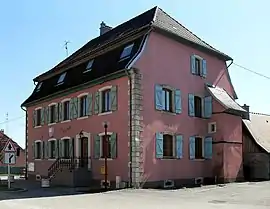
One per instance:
(61,78)
(106,102)
(198,106)
(106,149)
(198,148)
(126,51)
(167,146)
(66,110)
(38,117)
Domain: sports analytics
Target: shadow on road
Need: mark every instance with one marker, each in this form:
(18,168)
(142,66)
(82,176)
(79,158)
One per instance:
(34,190)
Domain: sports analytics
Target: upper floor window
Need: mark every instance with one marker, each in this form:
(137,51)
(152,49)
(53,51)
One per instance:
(83,106)
(89,66)
(198,66)
(168,99)
(53,113)
(199,106)
(106,100)
(66,110)
(38,117)
(39,86)
(61,78)
(126,52)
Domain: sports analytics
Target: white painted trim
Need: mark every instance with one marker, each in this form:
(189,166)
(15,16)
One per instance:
(198,57)
(52,139)
(105,88)
(83,117)
(65,137)
(65,100)
(37,126)
(51,124)
(103,133)
(38,108)
(209,127)
(51,104)
(65,121)
(77,150)
(38,141)
(83,94)
(105,113)
(137,56)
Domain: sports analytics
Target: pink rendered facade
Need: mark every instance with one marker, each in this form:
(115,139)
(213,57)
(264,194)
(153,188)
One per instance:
(166,61)
(163,61)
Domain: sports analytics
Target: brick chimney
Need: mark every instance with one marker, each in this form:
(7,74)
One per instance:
(104,28)
(246,114)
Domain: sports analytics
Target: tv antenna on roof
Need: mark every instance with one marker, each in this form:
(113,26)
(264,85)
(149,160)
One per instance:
(66,46)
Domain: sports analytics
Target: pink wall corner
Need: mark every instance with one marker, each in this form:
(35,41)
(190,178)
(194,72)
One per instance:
(118,122)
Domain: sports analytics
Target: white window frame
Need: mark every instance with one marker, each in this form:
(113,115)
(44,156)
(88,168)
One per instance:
(101,90)
(201,59)
(38,141)
(51,104)
(167,87)
(62,102)
(101,144)
(79,105)
(39,86)
(64,74)
(38,108)
(126,47)
(49,152)
(210,128)
(202,137)
(174,145)
(88,69)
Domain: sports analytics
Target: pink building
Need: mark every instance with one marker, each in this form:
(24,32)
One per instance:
(168,100)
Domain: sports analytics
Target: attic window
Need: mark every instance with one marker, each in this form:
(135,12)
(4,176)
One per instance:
(89,66)
(61,78)
(126,52)
(39,86)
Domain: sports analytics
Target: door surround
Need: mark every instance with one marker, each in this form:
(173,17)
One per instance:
(77,145)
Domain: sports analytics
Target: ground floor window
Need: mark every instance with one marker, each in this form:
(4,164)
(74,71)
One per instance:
(52,149)
(38,150)
(65,144)
(168,146)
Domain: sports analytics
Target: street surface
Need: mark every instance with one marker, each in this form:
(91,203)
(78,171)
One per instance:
(230,196)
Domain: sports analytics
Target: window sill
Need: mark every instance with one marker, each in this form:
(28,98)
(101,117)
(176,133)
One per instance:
(105,113)
(38,159)
(51,159)
(38,126)
(104,159)
(172,158)
(83,117)
(124,58)
(198,160)
(65,121)
(51,124)
(166,112)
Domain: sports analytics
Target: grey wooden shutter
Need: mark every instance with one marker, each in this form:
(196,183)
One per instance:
(97,103)
(75,108)
(71,147)
(113,98)
(60,111)
(34,150)
(90,104)
(42,150)
(42,116)
(34,118)
(113,143)
(56,112)
(46,149)
(97,146)
(71,108)
(57,149)
(46,115)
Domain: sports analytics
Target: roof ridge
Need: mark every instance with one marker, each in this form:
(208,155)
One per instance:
(258,113)
(189,30)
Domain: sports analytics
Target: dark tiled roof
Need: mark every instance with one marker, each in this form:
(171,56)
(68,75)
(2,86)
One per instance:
(108,63)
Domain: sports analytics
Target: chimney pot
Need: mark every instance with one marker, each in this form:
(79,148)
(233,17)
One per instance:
(104,28)
(246,114)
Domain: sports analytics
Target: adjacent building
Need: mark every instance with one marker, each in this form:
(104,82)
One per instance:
(19,166)
(166,96)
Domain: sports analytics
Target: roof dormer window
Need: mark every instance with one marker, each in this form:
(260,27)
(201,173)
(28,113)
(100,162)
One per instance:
(89,66)
(39,86)
(61,78)
(126,52)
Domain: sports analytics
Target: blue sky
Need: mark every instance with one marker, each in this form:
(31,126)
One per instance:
(33,34)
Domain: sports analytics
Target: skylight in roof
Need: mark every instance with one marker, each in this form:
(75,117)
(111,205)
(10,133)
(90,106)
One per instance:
(61,78)
(126,52)
(89,66)
(39,86)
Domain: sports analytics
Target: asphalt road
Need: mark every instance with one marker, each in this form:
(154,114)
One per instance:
(231,196)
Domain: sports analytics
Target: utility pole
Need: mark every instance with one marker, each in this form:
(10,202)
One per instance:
(66,47)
